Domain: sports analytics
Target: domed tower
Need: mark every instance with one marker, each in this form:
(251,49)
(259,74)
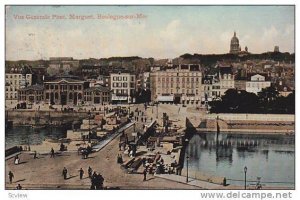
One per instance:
(234,44)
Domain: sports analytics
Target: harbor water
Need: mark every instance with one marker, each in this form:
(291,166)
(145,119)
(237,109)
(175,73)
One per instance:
(26,135)
(270,158)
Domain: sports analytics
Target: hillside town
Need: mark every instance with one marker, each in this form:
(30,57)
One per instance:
(66,81)
(141,123)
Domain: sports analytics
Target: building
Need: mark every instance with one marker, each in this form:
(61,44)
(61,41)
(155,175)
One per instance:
(33,94)
(283,89)
(15,79)
(240,80)
(62,65)
(234,45)
(64,91)
(98,95)
(226,78)
(146,81)
(256,83)
(99,80)
(123,87)
(276,49)
(181,84)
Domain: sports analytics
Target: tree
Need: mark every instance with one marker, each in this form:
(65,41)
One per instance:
(268,101)
(268,94)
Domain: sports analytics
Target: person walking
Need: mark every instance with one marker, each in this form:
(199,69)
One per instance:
(90,171)
(145,174)
(65,172)
(17,160)
(81,172)
(10,176)
(19,187)
(34,155)
(52,153)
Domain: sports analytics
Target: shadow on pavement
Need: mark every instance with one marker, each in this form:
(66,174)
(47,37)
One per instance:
(20,180)
(71,177)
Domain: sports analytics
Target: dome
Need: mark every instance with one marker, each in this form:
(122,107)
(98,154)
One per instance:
(234,39)
(234,44)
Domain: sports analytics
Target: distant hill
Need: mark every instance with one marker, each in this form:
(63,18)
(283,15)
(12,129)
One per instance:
(209,59)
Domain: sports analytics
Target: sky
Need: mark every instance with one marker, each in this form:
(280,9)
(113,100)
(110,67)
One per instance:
(162,32)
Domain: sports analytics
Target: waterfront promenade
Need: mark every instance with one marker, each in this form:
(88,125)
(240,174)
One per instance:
(46,172)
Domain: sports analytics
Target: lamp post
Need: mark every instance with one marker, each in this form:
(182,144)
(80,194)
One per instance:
(245,171)
(157,110)
(89,113)
(187,161)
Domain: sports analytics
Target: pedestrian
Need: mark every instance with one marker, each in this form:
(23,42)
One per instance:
(145,174)
(10,176)
(17,160)
(81,172)
(19,187)
(52,153)
(65,172)
(34,155)
(90,171)
(99,182)
(224,182)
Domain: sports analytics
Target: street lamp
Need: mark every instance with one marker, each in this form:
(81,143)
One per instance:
(187,161)
(157,110)
(245,171)
(89,113)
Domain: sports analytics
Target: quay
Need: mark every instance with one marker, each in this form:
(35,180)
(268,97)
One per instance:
(45,172)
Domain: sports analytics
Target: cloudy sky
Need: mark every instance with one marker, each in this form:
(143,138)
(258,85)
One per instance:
(164,32)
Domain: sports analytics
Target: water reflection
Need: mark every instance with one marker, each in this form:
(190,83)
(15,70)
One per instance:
(269,157)
(26,135)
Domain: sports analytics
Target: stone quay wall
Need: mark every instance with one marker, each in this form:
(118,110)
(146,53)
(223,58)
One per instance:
(29,117)
(265,122)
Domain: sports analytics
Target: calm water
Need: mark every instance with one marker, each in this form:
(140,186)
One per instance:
(24,135)
(270,157)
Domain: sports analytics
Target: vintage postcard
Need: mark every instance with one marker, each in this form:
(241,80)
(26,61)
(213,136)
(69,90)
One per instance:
(136,97)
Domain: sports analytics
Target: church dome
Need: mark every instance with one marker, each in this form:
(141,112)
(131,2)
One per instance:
(234,45)
(234,39)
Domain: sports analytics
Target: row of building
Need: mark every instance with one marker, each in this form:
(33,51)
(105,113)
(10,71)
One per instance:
(183,84)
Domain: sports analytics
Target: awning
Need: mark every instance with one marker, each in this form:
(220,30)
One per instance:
(166,98)
(119,98)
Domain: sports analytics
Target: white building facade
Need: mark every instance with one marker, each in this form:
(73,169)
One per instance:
(16,79)
(122,87)
(257,83)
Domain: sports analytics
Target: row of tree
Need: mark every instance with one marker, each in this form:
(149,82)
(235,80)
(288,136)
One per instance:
(267,101)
